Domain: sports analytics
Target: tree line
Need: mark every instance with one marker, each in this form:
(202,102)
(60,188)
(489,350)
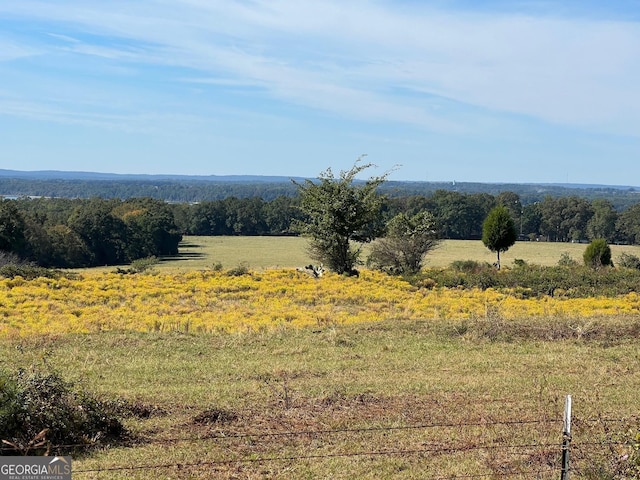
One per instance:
(88,232)
(458,216)
(85,233)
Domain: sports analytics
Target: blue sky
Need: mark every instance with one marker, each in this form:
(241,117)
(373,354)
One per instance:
(478,91)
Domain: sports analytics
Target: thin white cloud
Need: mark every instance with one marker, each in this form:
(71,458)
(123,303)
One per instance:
(11,50)
(66,115)
(351,58)
(65,38)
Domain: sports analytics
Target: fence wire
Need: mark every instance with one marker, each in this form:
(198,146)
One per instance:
(582,447)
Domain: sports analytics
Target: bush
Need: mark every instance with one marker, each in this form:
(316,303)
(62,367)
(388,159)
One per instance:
(464,273)
(10,258)
(566,260)
(598,254)
(468,266)
(36,405)
(405,245)
(12,266)
(216,267)
(629,261)
(535,280)
(139,265)
(143,264)
(241,269)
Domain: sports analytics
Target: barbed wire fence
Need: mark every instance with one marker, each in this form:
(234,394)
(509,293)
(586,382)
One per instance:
(584,446)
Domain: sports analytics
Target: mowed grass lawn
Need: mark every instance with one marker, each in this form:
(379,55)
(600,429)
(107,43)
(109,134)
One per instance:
(430,398)
(290,252)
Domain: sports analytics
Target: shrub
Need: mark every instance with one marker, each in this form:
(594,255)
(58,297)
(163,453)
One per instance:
(143,264)
(10,258)
(38,405)
(566,260)
(468,266)
(598,254)
(12,266)
(241,269)
(405,245)
(216,266)
(535,280)
(629,261)
(465,273)
(139,265)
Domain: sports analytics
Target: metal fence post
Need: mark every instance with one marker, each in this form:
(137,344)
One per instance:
(566,439)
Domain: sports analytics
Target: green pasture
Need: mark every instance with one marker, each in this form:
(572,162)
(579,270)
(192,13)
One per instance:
(290,252)
(388,400)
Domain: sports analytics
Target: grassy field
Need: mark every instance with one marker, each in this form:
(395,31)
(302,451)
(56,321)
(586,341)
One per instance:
(290,252)
(406,397)
(385,400)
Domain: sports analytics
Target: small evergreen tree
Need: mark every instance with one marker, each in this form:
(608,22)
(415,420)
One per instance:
(499,231)
(597,254)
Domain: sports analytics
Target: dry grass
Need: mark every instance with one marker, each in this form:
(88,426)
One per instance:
(289,252)
(415,399)
(539,253)
(255,252)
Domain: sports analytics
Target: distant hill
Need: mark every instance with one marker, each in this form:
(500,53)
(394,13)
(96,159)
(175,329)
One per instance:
(198,188)
(62,175)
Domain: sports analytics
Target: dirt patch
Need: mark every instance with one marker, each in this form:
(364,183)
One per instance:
(214,416)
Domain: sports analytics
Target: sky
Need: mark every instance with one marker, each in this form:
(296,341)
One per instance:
(499,91)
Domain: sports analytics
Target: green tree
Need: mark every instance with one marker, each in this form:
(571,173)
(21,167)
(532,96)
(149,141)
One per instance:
(244,216)
(499,231)
(455,213)
(104,233)
(68,249)
(12,228)
(208,218)
(603,222)
(407,241)
(565,218)
(530,220)
(597,254)
(511,201)
(628,225)
(151,230)
(338,212)
(279,214)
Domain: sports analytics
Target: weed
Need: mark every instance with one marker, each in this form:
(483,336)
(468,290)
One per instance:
(241,269)
(214,416)
(40,411)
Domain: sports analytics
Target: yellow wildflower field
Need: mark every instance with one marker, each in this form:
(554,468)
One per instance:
(211,302)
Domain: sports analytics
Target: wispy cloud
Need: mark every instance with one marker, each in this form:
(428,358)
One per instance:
(353,58)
